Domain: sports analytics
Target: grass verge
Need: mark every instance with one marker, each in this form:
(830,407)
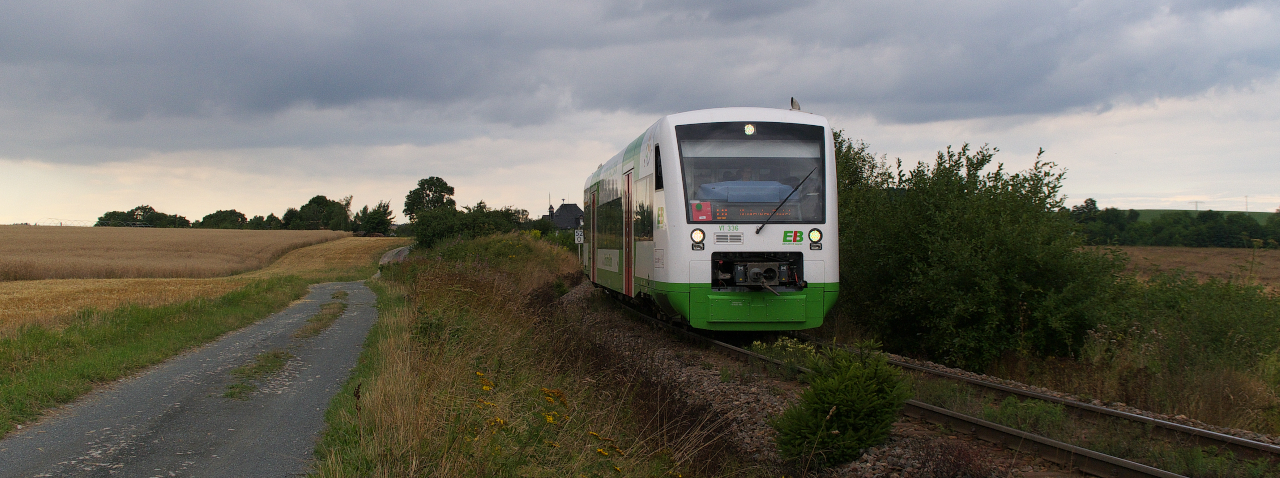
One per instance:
(471,371)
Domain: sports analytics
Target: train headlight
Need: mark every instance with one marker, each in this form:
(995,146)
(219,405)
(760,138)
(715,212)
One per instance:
(698,236)
(815,235)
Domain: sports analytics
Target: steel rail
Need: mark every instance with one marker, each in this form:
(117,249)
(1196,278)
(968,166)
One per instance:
(1247,449)
(1064,454)
(1241,447)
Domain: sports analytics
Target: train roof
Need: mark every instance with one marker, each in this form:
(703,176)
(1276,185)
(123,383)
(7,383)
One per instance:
(721,115)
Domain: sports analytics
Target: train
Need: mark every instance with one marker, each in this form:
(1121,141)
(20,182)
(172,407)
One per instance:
(719,219)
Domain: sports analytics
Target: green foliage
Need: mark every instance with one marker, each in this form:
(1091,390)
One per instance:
(787,350)
(377,220)
(431,193)
(1029,415)
(1174,322)
(248,375)
(444,223)
(1210,228)
(320,213)
(962,265)
(269,222)
(851,404)
(144,216)
(230,219)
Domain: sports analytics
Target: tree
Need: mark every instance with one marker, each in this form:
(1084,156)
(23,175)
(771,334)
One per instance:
(320,213)
(229,219)
(143,215)
(431,193)
(375,221)
(290,216)
(1085,212)
(443,223)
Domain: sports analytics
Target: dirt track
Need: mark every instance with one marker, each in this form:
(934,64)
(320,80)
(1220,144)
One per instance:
(173,420)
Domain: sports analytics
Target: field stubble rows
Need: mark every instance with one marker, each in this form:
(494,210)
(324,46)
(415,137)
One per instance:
(1260,266)
(45,252)
(57,302)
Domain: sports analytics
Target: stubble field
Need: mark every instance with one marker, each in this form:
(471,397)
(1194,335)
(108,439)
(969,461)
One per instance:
(1238,265)
(56,302)
(45,252)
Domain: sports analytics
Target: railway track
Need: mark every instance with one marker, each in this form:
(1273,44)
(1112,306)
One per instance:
(1064,454)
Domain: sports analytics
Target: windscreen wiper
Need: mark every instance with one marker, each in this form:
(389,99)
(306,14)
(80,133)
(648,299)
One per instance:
(784,200)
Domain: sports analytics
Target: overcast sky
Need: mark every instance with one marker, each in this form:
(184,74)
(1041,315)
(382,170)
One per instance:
(196,106)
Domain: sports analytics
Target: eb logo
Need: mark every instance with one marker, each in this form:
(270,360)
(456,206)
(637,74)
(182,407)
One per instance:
(792,236)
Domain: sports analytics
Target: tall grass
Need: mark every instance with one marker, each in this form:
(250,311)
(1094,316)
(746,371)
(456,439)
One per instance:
(41,252)
(1176,345)
(471,371)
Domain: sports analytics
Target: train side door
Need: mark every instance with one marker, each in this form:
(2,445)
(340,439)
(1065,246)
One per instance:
(595,238)
(628,236)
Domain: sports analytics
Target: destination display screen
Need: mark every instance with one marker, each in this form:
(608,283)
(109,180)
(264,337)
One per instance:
(741,212)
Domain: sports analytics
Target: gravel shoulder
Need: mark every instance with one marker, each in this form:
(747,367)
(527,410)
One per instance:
(738,404)
(173,420)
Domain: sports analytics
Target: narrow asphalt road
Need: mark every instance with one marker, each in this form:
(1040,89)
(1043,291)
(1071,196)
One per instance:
(173,420)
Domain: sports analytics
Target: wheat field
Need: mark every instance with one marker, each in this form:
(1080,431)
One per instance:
(50,252)
(54,302)
(1254,266)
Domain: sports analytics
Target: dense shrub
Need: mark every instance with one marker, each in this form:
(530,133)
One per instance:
(961,265)
(851,404)
(432,226)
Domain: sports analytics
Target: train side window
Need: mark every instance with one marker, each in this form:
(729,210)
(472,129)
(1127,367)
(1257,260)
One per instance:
(657,172)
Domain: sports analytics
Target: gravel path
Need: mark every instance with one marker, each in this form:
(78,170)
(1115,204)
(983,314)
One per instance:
(173,420)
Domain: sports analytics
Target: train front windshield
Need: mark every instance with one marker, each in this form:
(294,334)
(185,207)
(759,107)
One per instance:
(740,172)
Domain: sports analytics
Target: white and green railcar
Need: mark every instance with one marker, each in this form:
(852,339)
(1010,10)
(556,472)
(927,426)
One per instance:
(724,218)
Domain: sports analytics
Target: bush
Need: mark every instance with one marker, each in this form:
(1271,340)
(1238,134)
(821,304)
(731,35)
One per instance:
(851,404)
(432,226)
(960,265)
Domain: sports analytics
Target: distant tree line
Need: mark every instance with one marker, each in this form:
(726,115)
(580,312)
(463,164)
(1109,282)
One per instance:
(142,216)
(318,213)
(1113,226)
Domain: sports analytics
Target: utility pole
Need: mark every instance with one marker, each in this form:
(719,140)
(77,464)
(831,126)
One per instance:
(1197,203)
(1246,204)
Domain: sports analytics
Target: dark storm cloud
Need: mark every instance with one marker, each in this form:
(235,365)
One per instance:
(527,62)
